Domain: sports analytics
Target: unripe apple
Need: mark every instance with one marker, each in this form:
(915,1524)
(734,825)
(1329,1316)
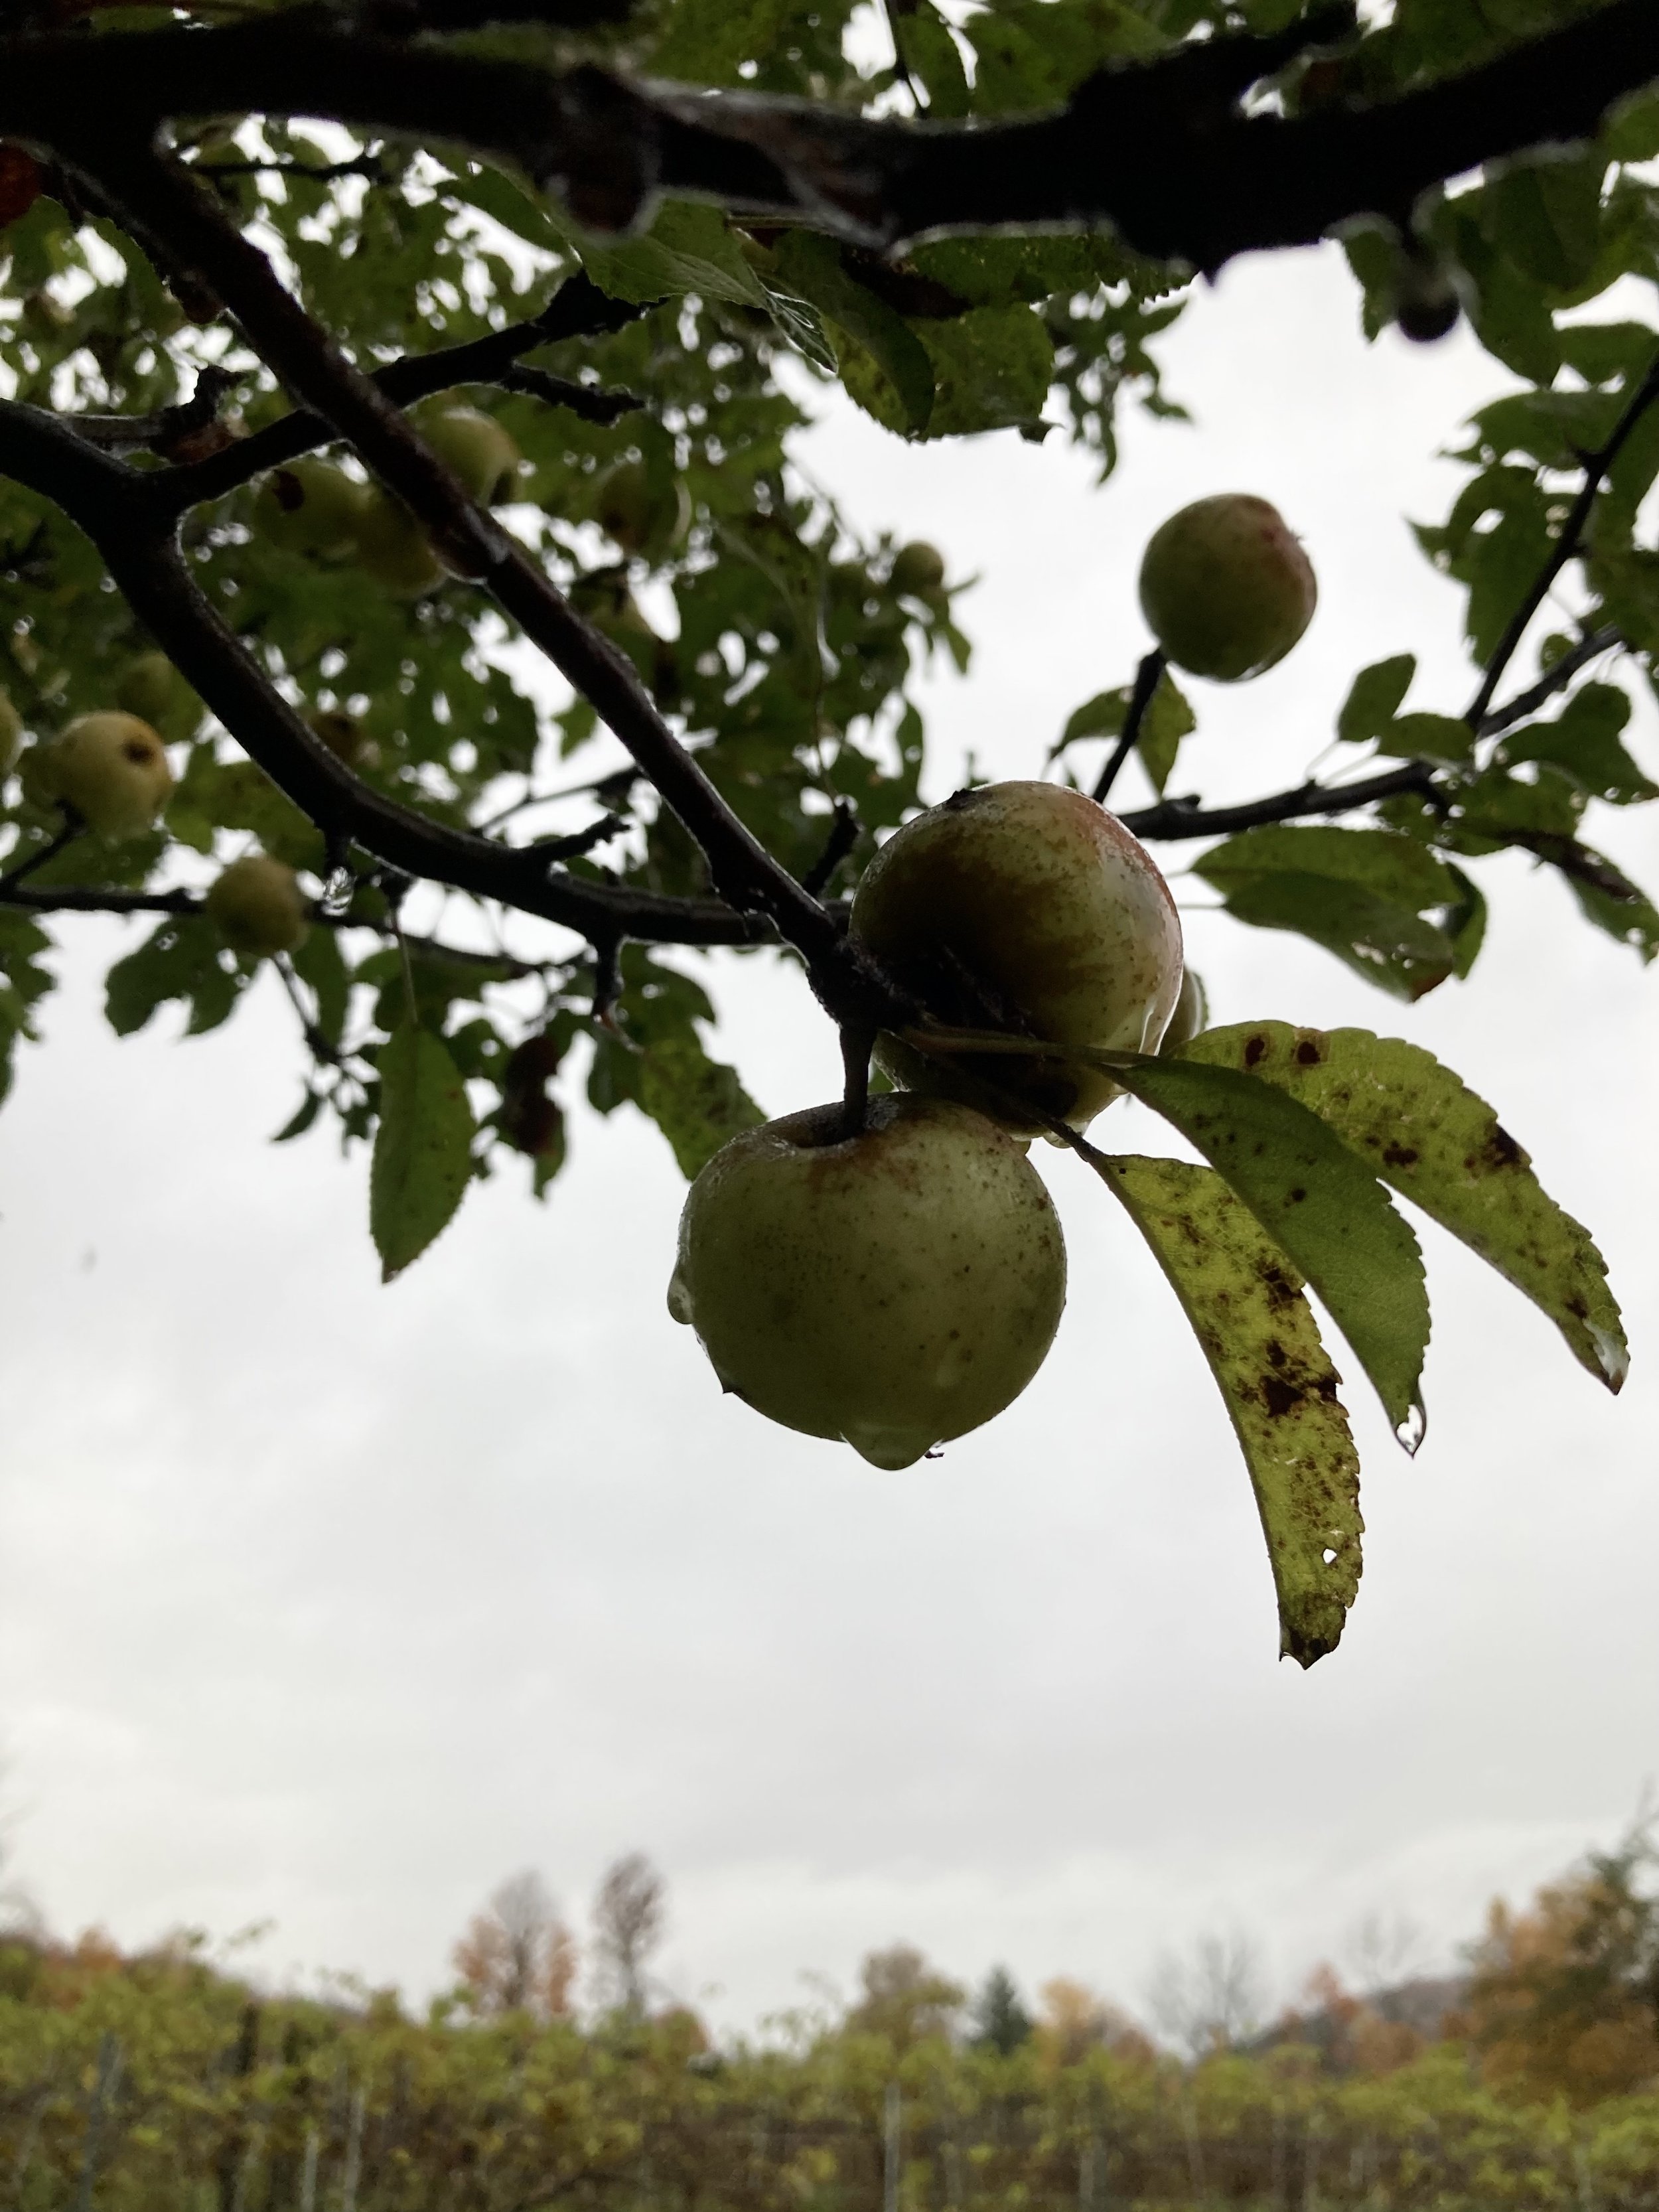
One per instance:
(394,550)
(896,1288)
(112,769)
(145,686)
(310,506)
(1192,1014)
(1226,587)
(475,448)
(259,906)
(918,570)
(1026,906)
(11,733)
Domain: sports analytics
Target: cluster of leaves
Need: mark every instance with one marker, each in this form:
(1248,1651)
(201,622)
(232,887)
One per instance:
(150,2079)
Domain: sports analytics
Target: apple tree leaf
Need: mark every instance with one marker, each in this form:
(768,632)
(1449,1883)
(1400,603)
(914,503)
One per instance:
(423,1147)
(698,1103)
(1414,1123)
(1320,1202)
(1258,1333)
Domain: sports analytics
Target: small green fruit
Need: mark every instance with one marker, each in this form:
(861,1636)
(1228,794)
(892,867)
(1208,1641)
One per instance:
(312,508)
(1192,1014)
(112,769)
(11,733)
(145,686)
(477,449)
(918,570)
(1028,907)
(258,907)
(1226,587)
(394,548)
(896,1288)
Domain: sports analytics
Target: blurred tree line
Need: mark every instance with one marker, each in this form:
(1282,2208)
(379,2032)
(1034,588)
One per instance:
(164,2079)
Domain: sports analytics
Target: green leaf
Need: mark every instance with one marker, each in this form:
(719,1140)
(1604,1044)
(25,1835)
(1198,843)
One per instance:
(1585,740)
(1319,1203)
(1258,1333)
(1415,1124)
(696,1102)
(1374,699)
(423,1147)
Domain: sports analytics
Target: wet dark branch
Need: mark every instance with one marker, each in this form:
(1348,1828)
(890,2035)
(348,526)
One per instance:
(577,309)
(1174,818)
(1159,150)
(1569,541)
(114,505)
(156,194)
(1605,640)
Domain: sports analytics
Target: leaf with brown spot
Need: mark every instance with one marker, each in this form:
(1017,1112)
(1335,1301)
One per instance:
(1259,1334)
(1414,1123)
(1320,1205)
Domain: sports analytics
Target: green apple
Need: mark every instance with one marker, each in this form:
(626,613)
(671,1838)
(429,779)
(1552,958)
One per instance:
(145,686)
(896,1288)
(918,570)
(112,769)
(475,448)
(310,506)
(1226,587)
(1028,907)
(11,733)
(1192,1014)
(259,906)
(393,549)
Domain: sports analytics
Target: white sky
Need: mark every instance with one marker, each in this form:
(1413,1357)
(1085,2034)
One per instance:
(330,1605)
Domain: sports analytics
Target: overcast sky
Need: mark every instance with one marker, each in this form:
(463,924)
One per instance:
(330,1605)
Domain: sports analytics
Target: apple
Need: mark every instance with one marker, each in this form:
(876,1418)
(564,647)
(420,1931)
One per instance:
(1226,587)
(1192,1014)
(310,506)
(393,549)
(918,570)
(112,769)
(145,686)
(475,448)
(259,906)
(896,1288)
(11,733)
(1023,906)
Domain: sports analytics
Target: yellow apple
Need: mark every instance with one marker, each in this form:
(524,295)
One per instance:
(896,1288)
(112,769)
(475,448)
(1226,587)
(310,506)
(259,906)
(1027,907)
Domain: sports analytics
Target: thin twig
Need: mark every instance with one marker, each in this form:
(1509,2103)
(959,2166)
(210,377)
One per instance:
(1568,545)
(1148,678)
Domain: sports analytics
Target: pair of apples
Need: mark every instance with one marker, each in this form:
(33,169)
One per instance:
(900,1285)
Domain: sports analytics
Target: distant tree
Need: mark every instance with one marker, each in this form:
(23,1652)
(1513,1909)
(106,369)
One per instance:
(627,1924)
(1565,1997)
(999,2020)
(1212,1999)
(1075,2019)
(517,1955)
(905,1998)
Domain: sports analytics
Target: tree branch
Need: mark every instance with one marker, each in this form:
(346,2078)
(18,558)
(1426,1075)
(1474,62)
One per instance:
(1174,818)
(577,309)
(1157,148)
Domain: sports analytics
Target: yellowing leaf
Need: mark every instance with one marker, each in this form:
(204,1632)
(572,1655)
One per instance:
(1414,1123)
(422,1148)
(1259,1335)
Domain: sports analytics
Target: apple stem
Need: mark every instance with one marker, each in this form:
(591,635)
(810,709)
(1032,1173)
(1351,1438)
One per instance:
(1148,678)
(856,1045)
